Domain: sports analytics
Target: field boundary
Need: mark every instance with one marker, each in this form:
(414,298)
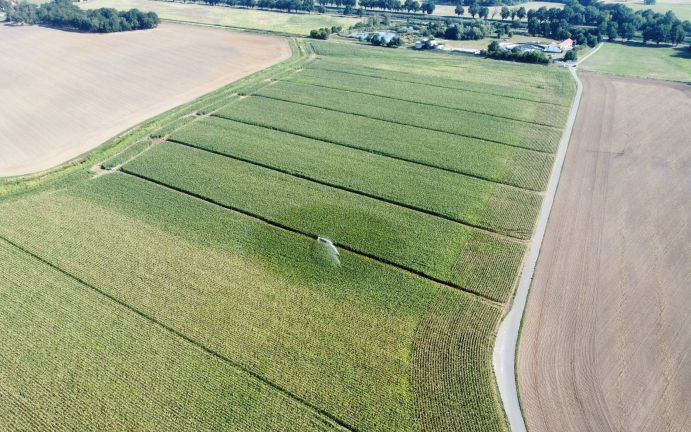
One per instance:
(403,124)
(421,103)
(380,153)
(327,417)
(506,345)
(437,85)
(351,190)
(275,224)
(78,167)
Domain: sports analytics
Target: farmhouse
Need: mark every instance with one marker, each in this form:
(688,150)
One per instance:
(566,44)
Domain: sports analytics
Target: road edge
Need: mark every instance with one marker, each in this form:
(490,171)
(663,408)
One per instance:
(506,344)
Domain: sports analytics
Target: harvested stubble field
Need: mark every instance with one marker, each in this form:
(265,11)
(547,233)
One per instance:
(205,243)
(296,23)
(605,342)
(69,92)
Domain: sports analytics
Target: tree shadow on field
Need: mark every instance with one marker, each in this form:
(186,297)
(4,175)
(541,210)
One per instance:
(681,51)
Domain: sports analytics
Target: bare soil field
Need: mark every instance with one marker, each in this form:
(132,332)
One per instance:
(605,343)
(65,93)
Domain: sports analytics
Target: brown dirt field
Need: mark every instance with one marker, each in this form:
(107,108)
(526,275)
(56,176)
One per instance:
(607,333)
(65,93)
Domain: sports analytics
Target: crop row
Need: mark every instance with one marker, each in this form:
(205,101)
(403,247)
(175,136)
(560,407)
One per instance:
(507,107)
(523,169)
(427,244)
(504,79)
(458,197)
(433,65)
(340,338)
(74,360)
(449,356)
(467,124)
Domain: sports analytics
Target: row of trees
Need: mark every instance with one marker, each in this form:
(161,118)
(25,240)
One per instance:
(377,40)
(471,30)
(426,6)
(281,5)
(64,14)
(607,20)
(489,2)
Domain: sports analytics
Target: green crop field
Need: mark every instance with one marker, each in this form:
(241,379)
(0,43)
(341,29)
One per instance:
(182,286)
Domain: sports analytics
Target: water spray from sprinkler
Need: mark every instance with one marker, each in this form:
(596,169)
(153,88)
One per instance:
(328,251)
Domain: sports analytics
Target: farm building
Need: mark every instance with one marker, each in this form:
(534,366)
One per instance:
(385,36)
(566,44)
(551,48)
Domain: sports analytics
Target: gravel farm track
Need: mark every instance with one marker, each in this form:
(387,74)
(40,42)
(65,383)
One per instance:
(605,344)
(64,93)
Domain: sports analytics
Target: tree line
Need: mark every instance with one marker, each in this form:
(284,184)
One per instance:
(467,30)
(65,15)
(590,22)
(425,6)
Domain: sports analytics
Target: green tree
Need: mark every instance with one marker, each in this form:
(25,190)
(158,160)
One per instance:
(521,13)
(395,42)
(473,10)
(570,55)
(649,2)
(628,31)
(612,30)
(505,12)
(484,12)
(428,7)
(459,10)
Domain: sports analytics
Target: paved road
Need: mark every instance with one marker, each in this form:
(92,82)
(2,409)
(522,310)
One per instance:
(505,347)
(507,337)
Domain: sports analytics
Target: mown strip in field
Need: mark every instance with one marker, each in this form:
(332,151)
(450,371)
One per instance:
(338,337)
(436,247)
(68,350)
(475,202)
(463,100)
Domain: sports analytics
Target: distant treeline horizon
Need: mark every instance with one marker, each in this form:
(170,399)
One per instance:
(63,14)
